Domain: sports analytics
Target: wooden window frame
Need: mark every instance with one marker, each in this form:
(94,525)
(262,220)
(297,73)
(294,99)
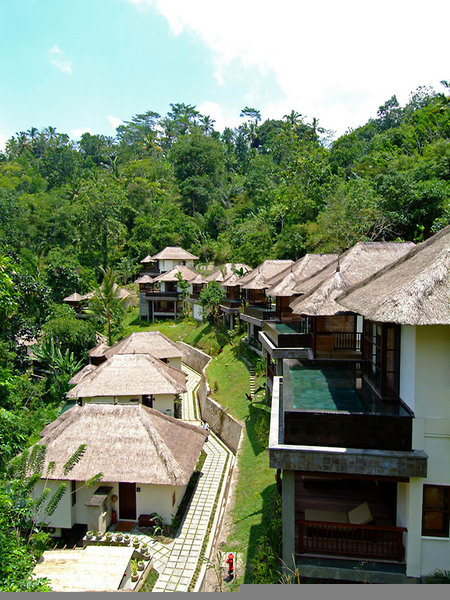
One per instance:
(375,351)
(444,510)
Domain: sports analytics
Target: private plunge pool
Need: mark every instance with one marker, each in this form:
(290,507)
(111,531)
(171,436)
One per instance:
(325,388)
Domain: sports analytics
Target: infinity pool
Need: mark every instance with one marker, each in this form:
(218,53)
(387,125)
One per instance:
(324,388)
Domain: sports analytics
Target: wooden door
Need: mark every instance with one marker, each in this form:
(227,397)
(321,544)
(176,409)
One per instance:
(127,501)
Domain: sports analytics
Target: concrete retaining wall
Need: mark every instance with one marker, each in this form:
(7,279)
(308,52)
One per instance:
(196,359)
(223,424)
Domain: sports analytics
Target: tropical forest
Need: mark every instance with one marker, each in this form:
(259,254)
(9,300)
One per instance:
(74,213)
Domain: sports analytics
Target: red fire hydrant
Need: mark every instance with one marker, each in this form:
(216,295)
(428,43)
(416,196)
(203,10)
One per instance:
(230,563)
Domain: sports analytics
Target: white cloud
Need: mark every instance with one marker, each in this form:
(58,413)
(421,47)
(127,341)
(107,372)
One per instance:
(337,61)
(114,121)
(3,140)
(216,112)
(77,133)
(58,59)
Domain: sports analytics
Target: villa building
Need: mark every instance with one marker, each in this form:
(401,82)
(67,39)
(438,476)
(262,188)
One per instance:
(361,444)
(231,305)
(259,307)
(146,460)
(130,379)
(160,294)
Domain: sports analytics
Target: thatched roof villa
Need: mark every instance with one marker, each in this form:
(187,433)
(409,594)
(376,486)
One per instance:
(135,378)
(127,443)
(145,459)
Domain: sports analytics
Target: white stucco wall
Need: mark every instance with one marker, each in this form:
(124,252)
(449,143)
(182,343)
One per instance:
(197,311)
(158,498)
(425,386)
(150,498)
(174,362)
(168,264)
(64,515)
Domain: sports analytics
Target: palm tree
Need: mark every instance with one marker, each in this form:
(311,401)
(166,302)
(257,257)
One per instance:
(106,301)
(207,124)
(294,118)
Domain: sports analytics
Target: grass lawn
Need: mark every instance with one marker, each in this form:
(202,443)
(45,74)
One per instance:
(255,490)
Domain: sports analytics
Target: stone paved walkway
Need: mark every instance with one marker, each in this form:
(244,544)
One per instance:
(176,562)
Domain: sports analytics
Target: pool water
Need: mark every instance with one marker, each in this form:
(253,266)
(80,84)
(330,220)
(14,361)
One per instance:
(325,389)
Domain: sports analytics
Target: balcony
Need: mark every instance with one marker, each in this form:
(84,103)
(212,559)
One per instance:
(230,306)
(258,314)
(326,405)
(160,295)
(286,340)
(321,423)
(375,537)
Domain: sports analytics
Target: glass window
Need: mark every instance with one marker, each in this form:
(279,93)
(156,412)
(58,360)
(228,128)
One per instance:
(381,353)
(435,513)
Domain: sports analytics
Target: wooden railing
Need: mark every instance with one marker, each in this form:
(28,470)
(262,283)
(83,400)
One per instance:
(344,340)
(345,540)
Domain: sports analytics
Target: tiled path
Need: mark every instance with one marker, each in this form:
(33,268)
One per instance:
(176,562)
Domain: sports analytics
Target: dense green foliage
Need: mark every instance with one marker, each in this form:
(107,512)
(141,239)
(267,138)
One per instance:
(273,189)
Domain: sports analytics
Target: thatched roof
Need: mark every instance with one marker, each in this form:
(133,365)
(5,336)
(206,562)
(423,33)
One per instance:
(146,260)
(99,350)
(260,276)
(198,280)
(144,279)
(187,273)
(173,253)
(127,443)
(283,283)
(415,290)
(359,262)
(146,342)
(129,375)
(75,297)
(226,271)
(82,374)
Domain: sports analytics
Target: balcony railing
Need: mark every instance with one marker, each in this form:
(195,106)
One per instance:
(345,540)
(344,340)
(263,313)
(227,303)
(288,335)
(159,294)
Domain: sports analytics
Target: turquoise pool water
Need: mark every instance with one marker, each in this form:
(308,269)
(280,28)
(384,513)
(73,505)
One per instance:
(285,328)
(324,388)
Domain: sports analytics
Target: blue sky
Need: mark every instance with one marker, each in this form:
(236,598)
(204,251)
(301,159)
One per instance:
(87,65)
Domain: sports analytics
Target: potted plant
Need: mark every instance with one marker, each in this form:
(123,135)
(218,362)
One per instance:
(144,547)
(98,535)
(118,537)
(136,542)
(89,534)
(134,569)
(140,565)
(126,538)
(108,536)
